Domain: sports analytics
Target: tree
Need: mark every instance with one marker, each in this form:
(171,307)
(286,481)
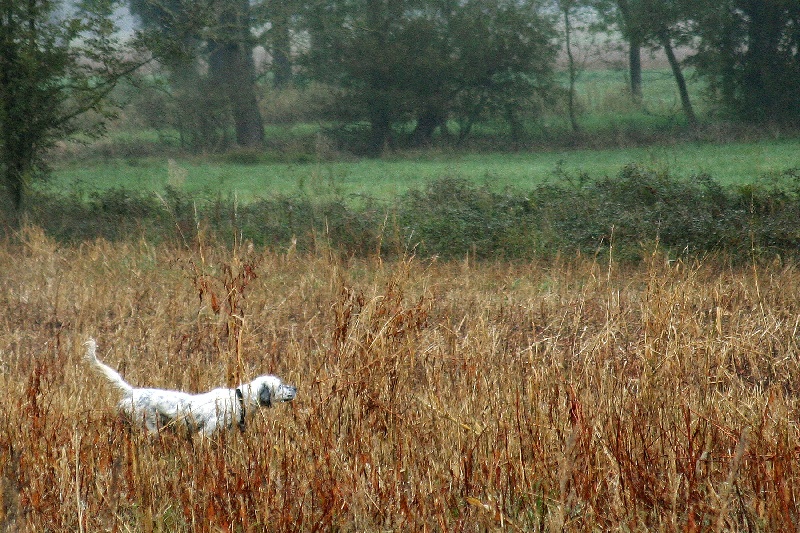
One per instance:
(664,36)
(206,46)
(279,39)
(423,61)
(658,24)
(567,7)
(749,51)
(617,14)
(230,58)
(56,67)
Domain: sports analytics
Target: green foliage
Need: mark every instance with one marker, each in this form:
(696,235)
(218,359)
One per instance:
(424,61)
(299,128)
(296,105)
(115,215)
(749,53)
(208,85)
(451,217)
(55,69)
(746,51)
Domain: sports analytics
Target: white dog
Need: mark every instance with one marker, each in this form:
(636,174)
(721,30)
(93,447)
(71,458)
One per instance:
(204,413)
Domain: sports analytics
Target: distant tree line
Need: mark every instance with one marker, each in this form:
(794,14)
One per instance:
(411,68)
(748,50)
(397,72)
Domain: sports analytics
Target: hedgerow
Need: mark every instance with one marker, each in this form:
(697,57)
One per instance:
(452,217)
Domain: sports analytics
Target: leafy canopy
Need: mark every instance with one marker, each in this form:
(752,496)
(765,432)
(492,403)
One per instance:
(58,66)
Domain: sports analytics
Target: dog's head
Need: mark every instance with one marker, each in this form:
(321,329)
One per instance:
(265,390)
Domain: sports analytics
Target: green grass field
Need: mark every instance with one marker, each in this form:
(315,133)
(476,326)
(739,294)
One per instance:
(383,178)
(605,90)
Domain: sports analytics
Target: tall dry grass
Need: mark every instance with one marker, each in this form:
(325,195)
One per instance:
(568,396)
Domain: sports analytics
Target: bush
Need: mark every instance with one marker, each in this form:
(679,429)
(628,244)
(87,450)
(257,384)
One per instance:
(296,105)
(452,217)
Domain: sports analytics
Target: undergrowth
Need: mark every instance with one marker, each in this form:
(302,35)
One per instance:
(455,396)
(638,209)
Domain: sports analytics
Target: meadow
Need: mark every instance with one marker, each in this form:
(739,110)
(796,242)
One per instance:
(481,340)
(388,177)
(567,395)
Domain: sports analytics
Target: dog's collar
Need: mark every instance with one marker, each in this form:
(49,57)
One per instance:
(242,412)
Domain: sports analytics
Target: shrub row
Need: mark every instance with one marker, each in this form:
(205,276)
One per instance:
(452,217)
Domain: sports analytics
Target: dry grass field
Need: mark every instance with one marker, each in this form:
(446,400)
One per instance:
(564,396)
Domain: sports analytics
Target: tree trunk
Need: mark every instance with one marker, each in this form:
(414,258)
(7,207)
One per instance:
(762,76)
(233,71)
(15,182)
(515,126)
(466,127)
(380,130)
(635,69)
(634,50)
(675,65)
(19,134)
(281,46)
(247,120)
(380,116)
(427,122)
(573,71)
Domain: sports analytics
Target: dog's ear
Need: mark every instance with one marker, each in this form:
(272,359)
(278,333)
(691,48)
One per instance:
(265,396)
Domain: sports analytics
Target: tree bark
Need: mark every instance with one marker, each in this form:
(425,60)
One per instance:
(22,108)
(515,126)
(427,122)
(761,90)
(380,130)
(634,50)
(675,65)
(281,46)
(573,71)
(233,71)
(635,69)
(380,112)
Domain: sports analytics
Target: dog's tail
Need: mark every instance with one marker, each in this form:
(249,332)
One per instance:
(110,374)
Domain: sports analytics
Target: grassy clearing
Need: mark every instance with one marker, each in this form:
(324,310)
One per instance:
(734,163)
(608,116)
(566,395)
(606,91)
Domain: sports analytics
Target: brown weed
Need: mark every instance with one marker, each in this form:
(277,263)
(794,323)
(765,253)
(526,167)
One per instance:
(432,396)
